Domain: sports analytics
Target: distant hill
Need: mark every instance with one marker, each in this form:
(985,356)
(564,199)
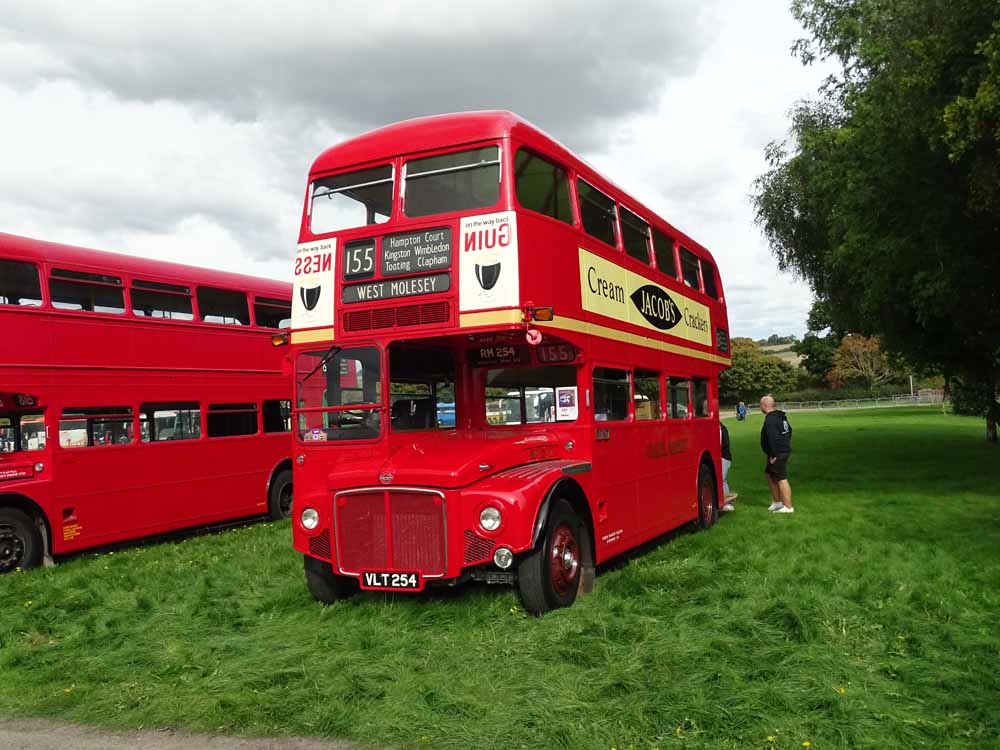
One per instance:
(783,352)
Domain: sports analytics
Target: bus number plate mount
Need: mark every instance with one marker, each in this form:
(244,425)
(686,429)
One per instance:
(391,580)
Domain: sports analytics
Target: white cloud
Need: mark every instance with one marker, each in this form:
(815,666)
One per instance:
(185,130)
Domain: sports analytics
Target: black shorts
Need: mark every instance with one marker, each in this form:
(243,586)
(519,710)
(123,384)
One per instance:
(778,469)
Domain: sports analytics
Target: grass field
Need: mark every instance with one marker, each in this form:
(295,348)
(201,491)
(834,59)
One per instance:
(868,619)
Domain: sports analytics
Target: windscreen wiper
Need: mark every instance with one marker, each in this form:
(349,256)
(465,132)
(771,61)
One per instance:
(332,352)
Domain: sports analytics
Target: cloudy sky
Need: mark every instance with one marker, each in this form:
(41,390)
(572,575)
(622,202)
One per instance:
(184,130)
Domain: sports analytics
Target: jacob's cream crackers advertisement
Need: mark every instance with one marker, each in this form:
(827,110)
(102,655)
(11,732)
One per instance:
(608,289)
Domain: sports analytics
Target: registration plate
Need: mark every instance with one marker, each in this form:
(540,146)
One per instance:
(391,580)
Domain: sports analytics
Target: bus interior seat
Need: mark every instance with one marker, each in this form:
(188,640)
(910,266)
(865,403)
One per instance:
(412,414)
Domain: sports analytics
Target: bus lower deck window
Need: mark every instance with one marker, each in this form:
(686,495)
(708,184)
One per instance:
(678,391)
(611,394)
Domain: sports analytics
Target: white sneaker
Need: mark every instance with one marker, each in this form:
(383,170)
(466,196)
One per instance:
(728,507)
(783,509)
(774,506)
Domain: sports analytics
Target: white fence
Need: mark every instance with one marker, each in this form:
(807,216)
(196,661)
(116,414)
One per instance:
(925,397)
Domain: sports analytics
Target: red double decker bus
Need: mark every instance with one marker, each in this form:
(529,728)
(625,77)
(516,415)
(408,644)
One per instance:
(136,397)
(505,366)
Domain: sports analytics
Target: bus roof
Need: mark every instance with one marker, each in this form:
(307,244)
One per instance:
(438,131)
(25,248)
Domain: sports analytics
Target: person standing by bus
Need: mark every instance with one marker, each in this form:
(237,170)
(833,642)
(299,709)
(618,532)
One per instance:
(776,442)
(727,461)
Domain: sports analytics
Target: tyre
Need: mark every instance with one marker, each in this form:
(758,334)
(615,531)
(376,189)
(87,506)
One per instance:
(20,541)
(708,501)
(279,498)
(324,584)
(549,576)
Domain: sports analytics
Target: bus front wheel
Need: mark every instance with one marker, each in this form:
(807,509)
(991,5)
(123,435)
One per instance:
(548,577)
(20,541)
(279,501)
(326,586)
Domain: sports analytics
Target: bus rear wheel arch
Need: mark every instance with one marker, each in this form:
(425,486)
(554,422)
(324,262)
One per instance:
(21,543)
(551,575)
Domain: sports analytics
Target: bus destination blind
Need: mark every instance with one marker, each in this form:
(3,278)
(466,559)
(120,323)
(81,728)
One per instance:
(410,287)
(416,252)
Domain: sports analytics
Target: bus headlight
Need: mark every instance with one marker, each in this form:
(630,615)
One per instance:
(489,518)
(309,519)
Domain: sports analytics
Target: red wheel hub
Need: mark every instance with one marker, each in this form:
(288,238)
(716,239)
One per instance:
(707,500)
(564,560)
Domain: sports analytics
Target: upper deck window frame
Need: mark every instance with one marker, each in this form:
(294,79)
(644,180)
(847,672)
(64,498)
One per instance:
(641,227)
(65,282)
(165,293)
(407,160)
(313,187)
(611,209)
(553,198)
(28,294)
(691,259)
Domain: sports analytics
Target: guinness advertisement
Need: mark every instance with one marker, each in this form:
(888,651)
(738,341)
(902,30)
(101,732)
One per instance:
(412,287)
(313,285)
(608,289)
(415,252)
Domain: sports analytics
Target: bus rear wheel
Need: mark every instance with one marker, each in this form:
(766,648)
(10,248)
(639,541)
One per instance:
(708,509)
(279,500)
(325,585)
(20,542)
(549,576)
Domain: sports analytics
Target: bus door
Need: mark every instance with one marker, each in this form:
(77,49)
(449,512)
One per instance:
(680,446)
(23,453)
(614,445)
(652,454)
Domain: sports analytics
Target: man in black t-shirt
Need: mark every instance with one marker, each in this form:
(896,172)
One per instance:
(776,442)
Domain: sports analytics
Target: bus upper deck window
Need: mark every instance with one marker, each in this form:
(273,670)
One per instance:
(352,199)
(91,292)
(689,267)
(19,284)
(663,247)
(708,276)
(457,181)
(223,306)
(542,186)
(635,235)
(597,212)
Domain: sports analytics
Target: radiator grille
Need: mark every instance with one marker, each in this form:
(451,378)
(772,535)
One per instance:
(477,549)
(391,529)
(402,315)
(319,545)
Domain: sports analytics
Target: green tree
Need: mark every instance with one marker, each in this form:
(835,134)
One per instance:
(886,196)
(817,347)
(754,373)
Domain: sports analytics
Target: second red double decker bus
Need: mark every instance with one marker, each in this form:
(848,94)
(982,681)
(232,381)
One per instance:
(505,366)
(137,397)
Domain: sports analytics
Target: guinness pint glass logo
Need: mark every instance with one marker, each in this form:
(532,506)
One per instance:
(656,306)
(310,297)
(488,271)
